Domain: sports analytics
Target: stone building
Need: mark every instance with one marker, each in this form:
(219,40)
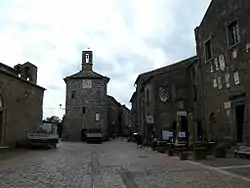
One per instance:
(163,93)
(114,118)
(21,102)
(223,47)
(86,100)
(125,120)
(119,118)
(134,125)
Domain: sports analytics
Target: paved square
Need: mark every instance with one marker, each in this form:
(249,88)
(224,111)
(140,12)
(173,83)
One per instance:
(114,164)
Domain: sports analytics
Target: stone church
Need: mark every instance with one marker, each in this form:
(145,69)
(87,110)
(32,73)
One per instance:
(21,102)
(86,101)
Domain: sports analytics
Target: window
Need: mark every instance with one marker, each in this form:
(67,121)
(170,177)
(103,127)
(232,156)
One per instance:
(87,58)
(97,117)
(208,50)
(236,78)
(73,94)
(233,33)
(98,95)
(83,110)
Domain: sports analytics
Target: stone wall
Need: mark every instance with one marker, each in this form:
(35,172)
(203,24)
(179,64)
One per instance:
(221,94)
(179,79)
(134,112)
(22,107)
(126,120)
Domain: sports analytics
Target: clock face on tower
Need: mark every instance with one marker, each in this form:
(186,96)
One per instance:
(86,84)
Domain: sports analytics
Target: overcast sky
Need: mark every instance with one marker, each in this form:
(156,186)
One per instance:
(127,37)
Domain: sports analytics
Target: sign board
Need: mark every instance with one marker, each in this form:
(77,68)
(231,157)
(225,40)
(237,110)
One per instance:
(149,119)
(222,62)
(227,105)
(181,113)
(182,134)
(166,135)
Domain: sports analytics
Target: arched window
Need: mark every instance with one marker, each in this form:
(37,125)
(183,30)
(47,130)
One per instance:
(87,58)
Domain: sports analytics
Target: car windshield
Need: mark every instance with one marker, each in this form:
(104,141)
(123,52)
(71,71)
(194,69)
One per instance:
(94,131)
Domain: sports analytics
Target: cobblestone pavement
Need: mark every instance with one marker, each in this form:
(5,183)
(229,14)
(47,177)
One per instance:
(114,164)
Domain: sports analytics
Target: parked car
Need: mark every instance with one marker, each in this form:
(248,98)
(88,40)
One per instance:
(45,136)
(94,135)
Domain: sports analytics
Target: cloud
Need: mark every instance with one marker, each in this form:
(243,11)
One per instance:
(127,37)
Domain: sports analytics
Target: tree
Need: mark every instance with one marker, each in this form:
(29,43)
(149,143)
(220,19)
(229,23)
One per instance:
(57,121)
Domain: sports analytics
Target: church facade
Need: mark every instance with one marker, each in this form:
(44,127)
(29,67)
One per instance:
(86,101)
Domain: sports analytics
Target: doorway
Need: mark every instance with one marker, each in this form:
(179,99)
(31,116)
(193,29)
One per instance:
(239,121)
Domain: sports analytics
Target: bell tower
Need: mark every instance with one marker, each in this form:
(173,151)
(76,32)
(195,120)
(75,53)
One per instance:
(87,60)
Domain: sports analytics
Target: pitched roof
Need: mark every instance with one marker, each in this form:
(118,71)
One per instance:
(87,75)
(114,100)
(182,64)
(20,79)
(131,99)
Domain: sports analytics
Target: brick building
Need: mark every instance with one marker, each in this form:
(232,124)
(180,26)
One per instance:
(21,102)
(163,92)
(86,100)
(223,47)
